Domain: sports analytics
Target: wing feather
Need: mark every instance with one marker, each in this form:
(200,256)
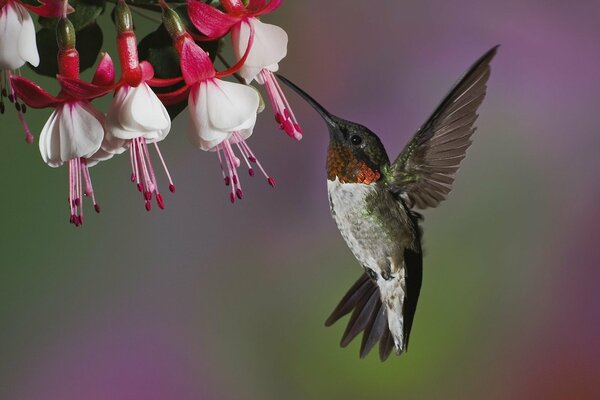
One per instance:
(423,173)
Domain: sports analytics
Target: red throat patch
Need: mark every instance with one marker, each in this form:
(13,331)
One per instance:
(344,165)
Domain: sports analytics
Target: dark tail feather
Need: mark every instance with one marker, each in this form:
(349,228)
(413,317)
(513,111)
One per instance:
(368,315)
(414,277)
(352,297)
(386,345)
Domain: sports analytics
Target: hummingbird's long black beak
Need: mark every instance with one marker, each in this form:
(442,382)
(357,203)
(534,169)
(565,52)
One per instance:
(330,119)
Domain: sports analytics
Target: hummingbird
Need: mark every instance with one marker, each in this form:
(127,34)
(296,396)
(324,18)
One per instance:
(373,202)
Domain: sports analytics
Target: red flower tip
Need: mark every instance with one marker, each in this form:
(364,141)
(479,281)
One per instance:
(105,72)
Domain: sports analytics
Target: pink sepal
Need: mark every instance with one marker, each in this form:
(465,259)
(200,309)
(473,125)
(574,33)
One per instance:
(272,6)
(174,97)
(160,82)
(195,63)
(32,94)
(210,21)
(147,71)
(105,72)
(50,8)
(80,90)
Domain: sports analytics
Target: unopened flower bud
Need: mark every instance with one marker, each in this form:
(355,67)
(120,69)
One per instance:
(173,23)
(123,18)
(65,34)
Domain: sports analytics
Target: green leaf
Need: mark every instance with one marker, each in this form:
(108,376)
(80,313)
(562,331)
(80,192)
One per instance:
(86,12)
(89,42)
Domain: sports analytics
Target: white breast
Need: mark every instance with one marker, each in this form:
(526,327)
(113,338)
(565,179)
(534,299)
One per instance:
(360,229)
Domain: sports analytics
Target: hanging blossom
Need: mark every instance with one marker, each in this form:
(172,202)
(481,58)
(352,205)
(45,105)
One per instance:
(267,50)
(221,114)
(136,117)
(74,132)
(18,46)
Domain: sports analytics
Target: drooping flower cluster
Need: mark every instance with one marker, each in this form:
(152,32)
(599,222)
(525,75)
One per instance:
(221,113)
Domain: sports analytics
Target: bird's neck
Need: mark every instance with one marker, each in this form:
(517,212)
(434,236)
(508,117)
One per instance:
(347,168)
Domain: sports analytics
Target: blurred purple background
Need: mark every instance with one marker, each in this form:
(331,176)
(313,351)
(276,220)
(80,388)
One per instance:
(206,300)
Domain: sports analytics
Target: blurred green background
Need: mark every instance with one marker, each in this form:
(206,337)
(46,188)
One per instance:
(206,300)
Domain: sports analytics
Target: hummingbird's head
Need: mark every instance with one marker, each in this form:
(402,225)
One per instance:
(355,155)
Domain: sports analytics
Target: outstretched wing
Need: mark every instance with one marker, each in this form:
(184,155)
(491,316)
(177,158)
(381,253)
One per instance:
(424,172)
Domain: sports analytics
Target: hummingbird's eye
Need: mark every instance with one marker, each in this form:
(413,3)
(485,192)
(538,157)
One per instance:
(372,274)
(355,140)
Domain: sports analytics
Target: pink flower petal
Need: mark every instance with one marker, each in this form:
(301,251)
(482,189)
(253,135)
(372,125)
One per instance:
(209,20)
(33,95)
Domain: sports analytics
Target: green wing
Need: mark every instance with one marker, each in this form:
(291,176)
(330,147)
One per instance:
(424,172)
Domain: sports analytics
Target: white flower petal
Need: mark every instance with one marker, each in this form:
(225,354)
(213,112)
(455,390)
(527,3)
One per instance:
(268,48)
(100,155)
(27,45)
(200,133)
(230,105)
(148,111)
(81,130)
(114,145)
(10,31)
(137,112)
(49,141)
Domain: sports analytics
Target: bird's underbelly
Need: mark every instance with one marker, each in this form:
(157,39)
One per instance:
(359,226)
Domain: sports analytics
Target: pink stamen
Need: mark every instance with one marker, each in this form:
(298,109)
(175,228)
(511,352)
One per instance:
(164,164)
(235,164)
(143,173)
(281,107)
(229,161)
(80,184)
(230,172)
(252,157)
(225,177)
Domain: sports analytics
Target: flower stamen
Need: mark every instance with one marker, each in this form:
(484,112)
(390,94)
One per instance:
(143,173)
(80,184)
(12,97)
(281,107)
(252,158)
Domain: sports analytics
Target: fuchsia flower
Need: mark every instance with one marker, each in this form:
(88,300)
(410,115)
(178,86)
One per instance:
(74,132)
(269,47)
(18,46)
(136,117)
(221,114)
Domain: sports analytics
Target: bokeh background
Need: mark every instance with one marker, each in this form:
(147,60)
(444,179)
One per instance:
(206,300)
